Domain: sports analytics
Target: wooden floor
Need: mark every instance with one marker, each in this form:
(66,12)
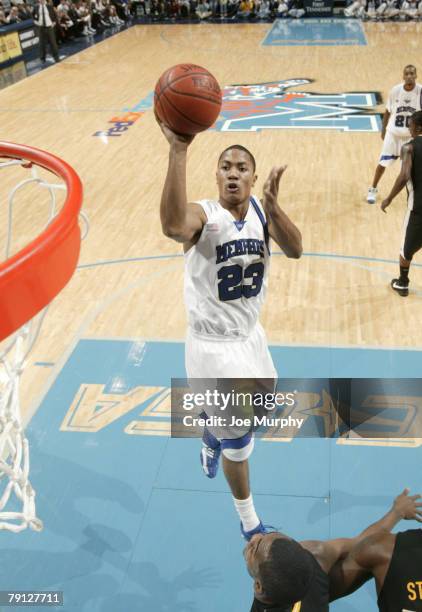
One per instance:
(336,295)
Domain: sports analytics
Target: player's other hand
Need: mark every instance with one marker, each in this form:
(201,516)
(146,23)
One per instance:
(385,204)
(408,507)
(271,186)
(171,137)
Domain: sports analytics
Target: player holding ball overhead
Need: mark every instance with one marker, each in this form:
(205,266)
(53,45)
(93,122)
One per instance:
(226,243)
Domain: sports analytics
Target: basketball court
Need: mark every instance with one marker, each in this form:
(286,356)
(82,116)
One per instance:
(130,522)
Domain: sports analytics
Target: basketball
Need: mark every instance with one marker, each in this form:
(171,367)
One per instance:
(187,98)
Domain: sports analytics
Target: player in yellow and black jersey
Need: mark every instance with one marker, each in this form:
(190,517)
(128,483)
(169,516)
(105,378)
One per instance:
(291,576)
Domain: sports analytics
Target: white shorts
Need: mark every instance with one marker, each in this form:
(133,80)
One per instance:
(391,148)
(206,357)
(209,360)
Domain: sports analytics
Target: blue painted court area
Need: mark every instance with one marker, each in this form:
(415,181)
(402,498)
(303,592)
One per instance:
(131,523)
(315,32)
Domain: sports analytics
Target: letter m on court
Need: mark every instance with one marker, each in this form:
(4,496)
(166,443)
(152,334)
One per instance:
(348,112)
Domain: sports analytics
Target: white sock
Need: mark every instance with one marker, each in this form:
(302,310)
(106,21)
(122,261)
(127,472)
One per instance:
(246,512)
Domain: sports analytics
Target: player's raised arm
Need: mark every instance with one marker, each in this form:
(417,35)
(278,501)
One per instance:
(280,227)
(353,558)
(180,220)
(403,177)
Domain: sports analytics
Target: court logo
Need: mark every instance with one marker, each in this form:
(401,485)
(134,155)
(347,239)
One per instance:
(126,118)
(263,106)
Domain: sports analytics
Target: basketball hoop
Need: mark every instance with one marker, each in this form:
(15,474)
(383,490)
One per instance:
(29,280)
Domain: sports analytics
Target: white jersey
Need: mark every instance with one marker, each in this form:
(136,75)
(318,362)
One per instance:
(402,104)
(226,272)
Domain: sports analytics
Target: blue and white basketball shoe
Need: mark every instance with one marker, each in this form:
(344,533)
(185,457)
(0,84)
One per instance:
(210,454)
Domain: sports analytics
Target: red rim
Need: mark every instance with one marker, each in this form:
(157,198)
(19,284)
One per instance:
(33,277)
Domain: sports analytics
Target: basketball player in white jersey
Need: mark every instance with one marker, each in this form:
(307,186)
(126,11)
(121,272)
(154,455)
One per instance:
(404,100)
(227,248)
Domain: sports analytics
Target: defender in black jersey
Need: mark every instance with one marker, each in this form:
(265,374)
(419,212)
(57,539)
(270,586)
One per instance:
(292,576)
(411,177)
(395,561)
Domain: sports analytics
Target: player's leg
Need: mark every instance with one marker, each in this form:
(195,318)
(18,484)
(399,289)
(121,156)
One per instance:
(390,152)
(412,242)
(238,360)
(199,358)
(236,470)
(401,284)
(371,197)
(258,369)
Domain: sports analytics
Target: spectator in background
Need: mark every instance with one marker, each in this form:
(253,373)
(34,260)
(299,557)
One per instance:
(61,7)
(409,9)
(171,9)
(388,9)
(184,8)
(85,17)
(64,27)
(371,12)
(264,10)
(355,9)
(232,8)
(282,9)
(203,10)
(24,10)
(78,23)
(13,16)
(113,16)
(99,12)
(45,19)
(121,9)
(2,18)
(245,8)
(296,9)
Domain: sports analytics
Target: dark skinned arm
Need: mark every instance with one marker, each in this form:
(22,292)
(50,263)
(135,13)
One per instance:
(405,174)
(332,553)
(348,573)
(180,220)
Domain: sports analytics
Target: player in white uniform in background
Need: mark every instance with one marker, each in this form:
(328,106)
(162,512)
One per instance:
(226,245)
(404,100)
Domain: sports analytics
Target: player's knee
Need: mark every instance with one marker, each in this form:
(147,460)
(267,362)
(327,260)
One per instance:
(239,449)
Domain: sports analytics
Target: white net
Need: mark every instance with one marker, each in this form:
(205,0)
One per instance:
(17,495)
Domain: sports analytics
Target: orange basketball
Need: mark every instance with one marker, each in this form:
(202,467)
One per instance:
(187,98)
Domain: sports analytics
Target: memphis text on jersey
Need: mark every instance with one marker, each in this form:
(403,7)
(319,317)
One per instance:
(234,248)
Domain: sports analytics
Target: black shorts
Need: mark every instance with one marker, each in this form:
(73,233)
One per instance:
(412,235)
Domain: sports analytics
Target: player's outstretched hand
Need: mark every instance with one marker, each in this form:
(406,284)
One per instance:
(171,136)
(271,186)
(408,506)
(385,204)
